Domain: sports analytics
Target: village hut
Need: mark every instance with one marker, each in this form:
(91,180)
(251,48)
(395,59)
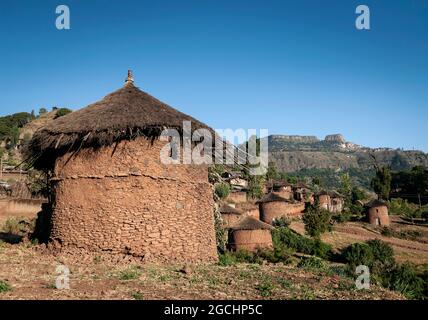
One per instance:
(330,200)
(250,234)
(282,188)
(377,213)
(230,215)
(237,196)
(273,206)
(110,190)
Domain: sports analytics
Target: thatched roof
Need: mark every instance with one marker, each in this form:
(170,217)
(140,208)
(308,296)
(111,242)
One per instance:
(332,194)
(124,114)
(376,203)
(272,197)
(249,223)
(225,208)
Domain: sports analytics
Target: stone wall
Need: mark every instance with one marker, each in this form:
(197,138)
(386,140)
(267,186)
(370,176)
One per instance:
(124,200)
(251,240)
(272,210)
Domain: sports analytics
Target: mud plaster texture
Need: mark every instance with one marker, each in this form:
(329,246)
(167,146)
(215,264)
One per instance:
(123,200)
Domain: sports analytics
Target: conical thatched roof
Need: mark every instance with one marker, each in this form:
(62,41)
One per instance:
(272,197)
(376,203)
(225,208)
(249,223)
(124,114)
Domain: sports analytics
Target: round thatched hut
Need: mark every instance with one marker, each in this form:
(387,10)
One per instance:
(110,190)
(274,206)
(250,234)
(230,215)
(377,213)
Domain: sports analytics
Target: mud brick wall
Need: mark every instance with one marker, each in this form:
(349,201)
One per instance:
(237,197)
(378,216)
(251,240)
(124,200)
(272,210)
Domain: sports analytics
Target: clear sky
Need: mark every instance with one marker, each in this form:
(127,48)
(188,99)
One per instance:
(293,67)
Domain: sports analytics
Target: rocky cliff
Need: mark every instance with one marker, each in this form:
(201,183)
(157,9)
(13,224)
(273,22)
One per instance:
(294,153)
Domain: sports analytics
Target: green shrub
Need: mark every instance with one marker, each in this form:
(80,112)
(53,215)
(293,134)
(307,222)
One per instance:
(281,222)
(358,254)
(285,237)
(265,289)
(313,264)
(317,221)
(226,259)
(404,279)
(62,112)
(222,190)
(383,256)
(4,286)
(130,274)
(342,217)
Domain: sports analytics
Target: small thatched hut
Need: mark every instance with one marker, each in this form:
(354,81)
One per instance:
(331,201)
(110,190)
(377,213)
(250,234)
(230,215)
(273,206)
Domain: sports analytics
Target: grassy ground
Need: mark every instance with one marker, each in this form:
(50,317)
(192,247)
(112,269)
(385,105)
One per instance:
(28,273)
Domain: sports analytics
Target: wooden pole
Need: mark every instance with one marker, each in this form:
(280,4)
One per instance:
(1,168)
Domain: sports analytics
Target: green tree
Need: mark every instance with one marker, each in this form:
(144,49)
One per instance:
(222,190)
(272,173)
(62,112)
(255,186)
(346,188)
(316,220)
(419,177)
(381,183)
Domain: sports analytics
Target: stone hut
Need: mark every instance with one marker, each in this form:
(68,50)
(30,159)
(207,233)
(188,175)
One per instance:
(282,188)
(301,192)
(230,215)
(274,206)
(377,213)
(330,200)
(110,190)
(250,234)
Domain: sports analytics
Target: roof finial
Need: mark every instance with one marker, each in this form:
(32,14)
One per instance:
(130,78)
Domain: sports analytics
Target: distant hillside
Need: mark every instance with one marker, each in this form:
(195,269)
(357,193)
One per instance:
(308,156)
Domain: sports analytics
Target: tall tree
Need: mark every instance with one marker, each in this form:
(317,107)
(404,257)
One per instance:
(381,183)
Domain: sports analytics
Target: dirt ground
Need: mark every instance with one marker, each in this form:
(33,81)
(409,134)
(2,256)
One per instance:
(31,274)
(344,234)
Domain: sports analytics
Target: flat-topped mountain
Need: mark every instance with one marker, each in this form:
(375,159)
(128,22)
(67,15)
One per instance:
(293,153)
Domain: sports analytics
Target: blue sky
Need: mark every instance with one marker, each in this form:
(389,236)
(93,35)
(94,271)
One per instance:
(293,67)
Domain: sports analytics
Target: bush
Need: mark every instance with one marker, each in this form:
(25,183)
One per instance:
(285,237)
(375,254)
(222,190)
(358,254)
(226,259)
(404,279)
(62,112)
(281,222)
(342,217)
(383,255)
(4,286)
(313,264)
(317,221)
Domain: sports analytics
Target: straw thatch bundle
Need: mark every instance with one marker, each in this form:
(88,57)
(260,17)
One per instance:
(249,223)
(124,114)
